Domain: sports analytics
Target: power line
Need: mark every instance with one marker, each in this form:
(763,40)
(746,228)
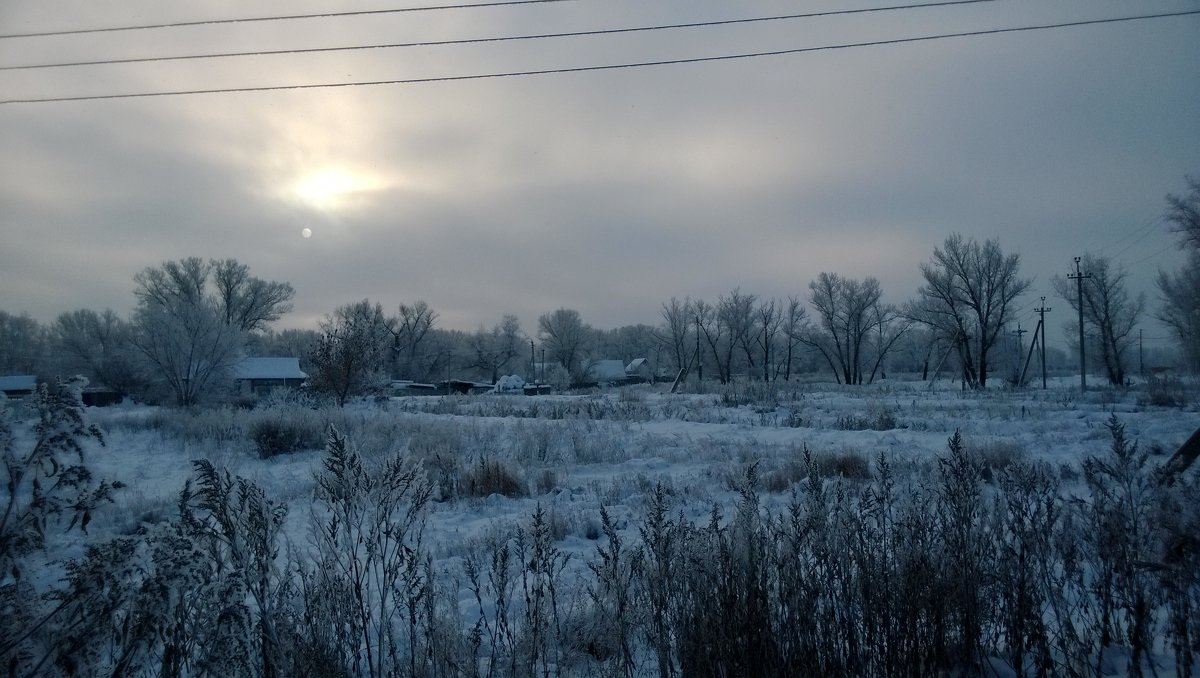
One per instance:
(1164,250)
(288,17)
(1154,223)
(606,67)
(1131,237)
(511,38)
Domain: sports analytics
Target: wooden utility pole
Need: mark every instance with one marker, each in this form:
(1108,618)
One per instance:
(1042,326)
(699,361)
(1078,276)
(1141,357)
(1019,333)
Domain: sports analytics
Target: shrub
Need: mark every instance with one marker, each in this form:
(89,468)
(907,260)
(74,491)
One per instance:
(278,433)
(489,477)
(995,456)
(1163,392)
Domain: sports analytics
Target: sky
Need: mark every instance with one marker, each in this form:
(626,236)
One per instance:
(609,191)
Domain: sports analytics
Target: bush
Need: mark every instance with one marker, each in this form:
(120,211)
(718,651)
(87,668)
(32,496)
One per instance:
(490,477)
(278,433)
(1164,392)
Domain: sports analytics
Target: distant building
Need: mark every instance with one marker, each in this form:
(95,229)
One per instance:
(18,386)
(638,371)
(259,376)
(99,395)
(617,373)
(605,372)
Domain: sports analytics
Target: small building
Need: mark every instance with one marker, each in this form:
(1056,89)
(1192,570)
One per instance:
(18,385)
(638,371)
(605,372)
(259,376)
(99,395)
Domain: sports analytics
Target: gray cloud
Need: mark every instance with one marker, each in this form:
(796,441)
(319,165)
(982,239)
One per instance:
(607,192)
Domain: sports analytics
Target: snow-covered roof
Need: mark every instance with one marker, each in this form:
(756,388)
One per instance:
(268,368)
(18,382)
(635,365)
(606,370)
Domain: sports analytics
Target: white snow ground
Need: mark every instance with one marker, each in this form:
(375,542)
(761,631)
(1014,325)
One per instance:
(576,453)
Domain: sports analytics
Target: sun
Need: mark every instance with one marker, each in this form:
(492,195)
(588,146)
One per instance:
(332,188)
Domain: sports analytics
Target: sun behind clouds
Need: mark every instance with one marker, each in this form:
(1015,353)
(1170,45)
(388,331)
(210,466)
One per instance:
(333,188)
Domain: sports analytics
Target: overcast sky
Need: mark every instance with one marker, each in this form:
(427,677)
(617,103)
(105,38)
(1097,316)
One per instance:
(608,192)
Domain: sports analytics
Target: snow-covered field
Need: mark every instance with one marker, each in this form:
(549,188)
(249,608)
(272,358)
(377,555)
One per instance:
(571,455)
(574,453)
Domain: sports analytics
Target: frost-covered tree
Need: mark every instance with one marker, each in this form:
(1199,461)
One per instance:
(1110,313)
(414,353)
(795,327)
(99,346)
(728,329)
(768,325)
(247,302)
(678,333)
(736,312)
(351,354)
(565,337)
(1183,214)
(1180,290)
(969,296)
(188,347)
(490,351)
(23,342)
(857,330)
(242,301)
(192,318)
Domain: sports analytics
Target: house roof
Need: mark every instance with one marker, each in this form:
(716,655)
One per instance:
(18,382)
(268,368)
(606,370)
(635,365)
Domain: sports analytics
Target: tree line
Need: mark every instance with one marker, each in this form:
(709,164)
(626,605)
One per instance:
(195,319)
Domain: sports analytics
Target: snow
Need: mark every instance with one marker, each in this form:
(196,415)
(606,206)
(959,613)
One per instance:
(577,453)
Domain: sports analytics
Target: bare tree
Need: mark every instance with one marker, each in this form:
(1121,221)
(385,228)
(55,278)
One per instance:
(351,354)
(848,310)
(188,346)
(736,311)
(99,345)
(249,303)
(768,323)
(23,343)
(794,328)
(1183,214)
(1180,308)
(411,346)
(713,331)
(1110,314)
(677,333)
(727,326)
(565,337)
(969,296)
(190,334)
(890,325)
(490,351)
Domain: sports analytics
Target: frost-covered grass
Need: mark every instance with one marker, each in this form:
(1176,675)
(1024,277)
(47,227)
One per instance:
(517,565)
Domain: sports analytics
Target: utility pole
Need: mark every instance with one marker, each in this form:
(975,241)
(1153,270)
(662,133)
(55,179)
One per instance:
(699,361)
(1141,356)
(1042,328)
(1078,276)
(1020,333)
(1020,349)
(532,361)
